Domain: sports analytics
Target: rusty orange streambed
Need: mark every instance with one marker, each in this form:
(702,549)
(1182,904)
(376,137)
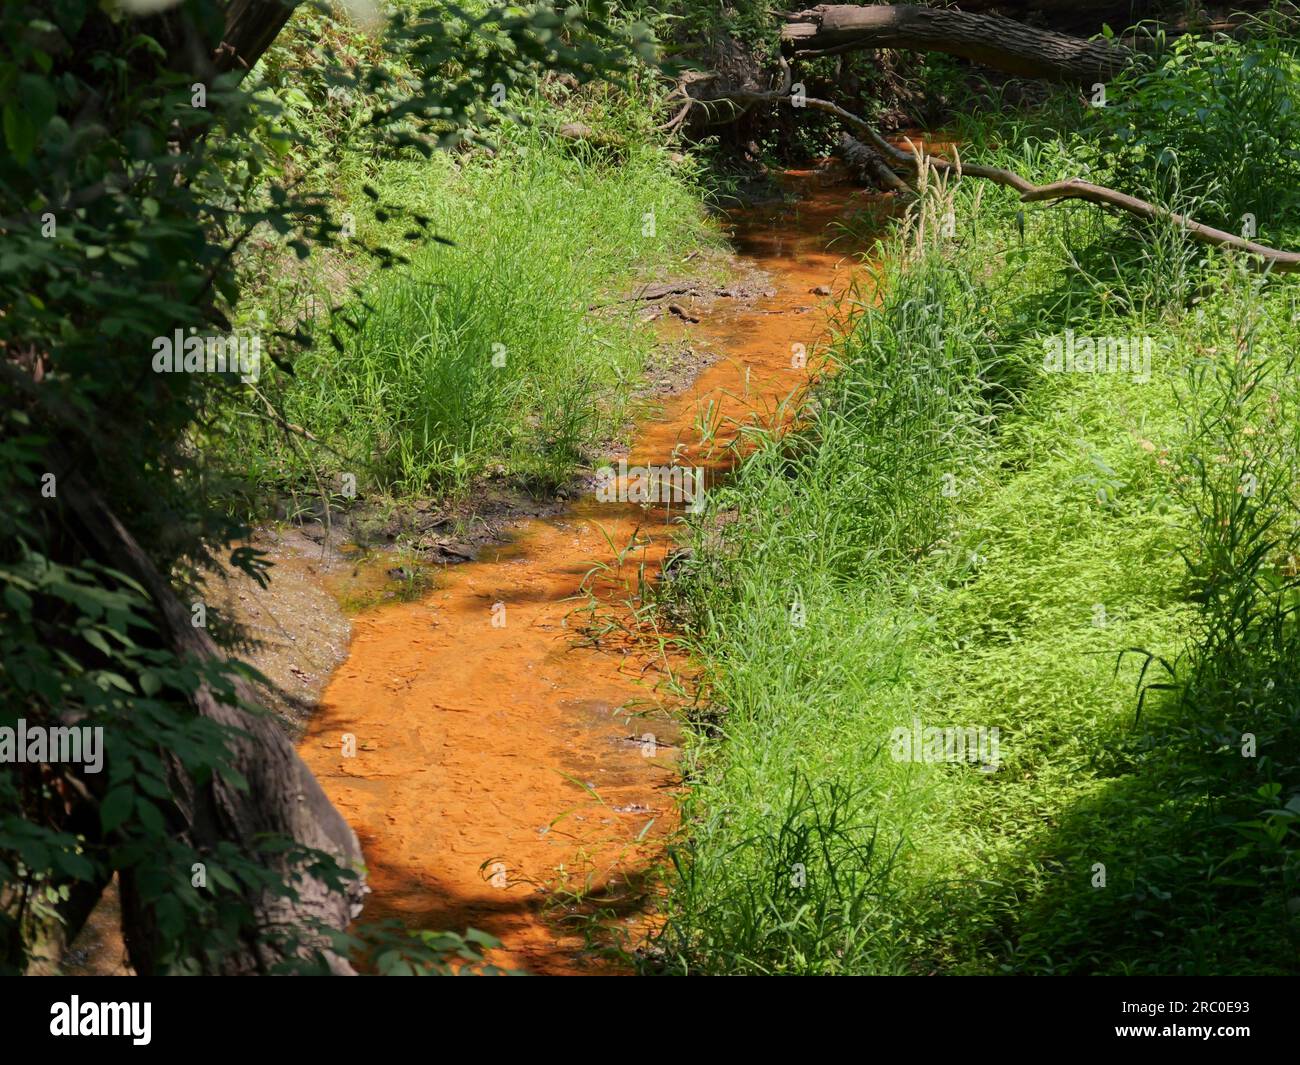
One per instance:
(501,761)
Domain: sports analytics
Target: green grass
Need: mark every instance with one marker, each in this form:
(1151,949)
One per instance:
(962,538)
(485,353)
(956,537)
(481,357)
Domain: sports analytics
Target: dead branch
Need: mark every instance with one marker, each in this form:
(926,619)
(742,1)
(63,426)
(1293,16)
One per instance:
(1072,189)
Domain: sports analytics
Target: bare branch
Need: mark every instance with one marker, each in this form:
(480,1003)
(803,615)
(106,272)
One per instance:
(1073,189)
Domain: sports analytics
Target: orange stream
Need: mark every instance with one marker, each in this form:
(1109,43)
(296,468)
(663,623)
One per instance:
(497,763)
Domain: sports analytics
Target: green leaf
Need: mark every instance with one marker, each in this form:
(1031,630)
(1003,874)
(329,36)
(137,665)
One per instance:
(38,101)
(149,816)
(20,133)
(116,807)
(96,640)
(18,600)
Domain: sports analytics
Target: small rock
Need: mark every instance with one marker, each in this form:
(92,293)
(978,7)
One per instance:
(457,552)
(674,562)
(682,313)
(576,131)
(822,290)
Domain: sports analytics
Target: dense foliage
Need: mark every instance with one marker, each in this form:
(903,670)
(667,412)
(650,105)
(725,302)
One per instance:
(1213,120)
(134,170)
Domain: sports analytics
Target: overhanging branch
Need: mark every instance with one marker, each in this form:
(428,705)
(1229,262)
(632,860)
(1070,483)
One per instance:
(1073,189)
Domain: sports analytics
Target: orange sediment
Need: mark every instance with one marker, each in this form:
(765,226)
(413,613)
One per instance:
(502,761)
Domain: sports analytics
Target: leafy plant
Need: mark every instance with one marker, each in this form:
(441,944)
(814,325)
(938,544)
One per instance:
(1223,112)
(135,170)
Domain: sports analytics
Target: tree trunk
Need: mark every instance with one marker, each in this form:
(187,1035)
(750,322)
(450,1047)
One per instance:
(282,798)
(233,40)
(251,27)
(990,40)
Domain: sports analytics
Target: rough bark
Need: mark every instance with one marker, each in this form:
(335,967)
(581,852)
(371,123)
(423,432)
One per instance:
(234,41)
(869,165)
(48,931)
(990,40)
(282,798)
(251,27)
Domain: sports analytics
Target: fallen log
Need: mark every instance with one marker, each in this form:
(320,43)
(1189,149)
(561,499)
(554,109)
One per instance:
(990,40)
(1075,189)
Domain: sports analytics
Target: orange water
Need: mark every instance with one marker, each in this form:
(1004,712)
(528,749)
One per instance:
(499,760)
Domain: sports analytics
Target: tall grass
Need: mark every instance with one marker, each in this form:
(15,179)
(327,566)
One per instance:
(961,538)
(485,354)
(504,347)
